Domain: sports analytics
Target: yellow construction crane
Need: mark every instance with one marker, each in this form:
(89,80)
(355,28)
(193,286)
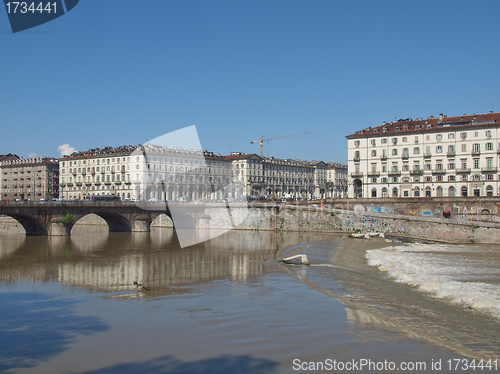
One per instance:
(262,140)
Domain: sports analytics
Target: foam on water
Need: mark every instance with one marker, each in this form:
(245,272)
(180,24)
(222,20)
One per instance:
(458,274)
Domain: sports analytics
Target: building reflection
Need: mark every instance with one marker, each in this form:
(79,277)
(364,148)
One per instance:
(96,260)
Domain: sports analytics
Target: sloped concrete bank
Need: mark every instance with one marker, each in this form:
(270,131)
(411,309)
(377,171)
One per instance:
(290,218)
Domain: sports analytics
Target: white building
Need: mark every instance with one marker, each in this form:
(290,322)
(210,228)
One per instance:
(96,172)
(279,177)
(432,157)
(176,174)
(337,180)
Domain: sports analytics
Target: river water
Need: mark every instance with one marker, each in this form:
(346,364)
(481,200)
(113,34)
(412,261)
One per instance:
(100,302)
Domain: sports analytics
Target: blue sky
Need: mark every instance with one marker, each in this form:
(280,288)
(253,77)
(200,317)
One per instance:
(120,72)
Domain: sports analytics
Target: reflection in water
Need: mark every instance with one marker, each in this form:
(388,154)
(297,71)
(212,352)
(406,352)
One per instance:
(101,261)
(242,364)
(89,238)
(48,323)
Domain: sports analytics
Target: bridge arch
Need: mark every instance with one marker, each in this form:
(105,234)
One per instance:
(115,221)
(31,225)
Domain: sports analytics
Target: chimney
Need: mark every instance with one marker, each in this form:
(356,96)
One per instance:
(441,117)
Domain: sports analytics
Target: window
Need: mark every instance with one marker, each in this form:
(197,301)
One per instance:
(439,149)
(488,133)
(463,135)
(374,192)
(374,153)
(405,139)
(489,146)
(476,134)
(451,149)
(374,142)
(416,139)
(475,148)
(451,192)
(439,137)
(394,152)
(416,150)
(394,140)
(489,163)
(428,192)
(451,135)
(451,178)
(464,164)
(356,143)
(384,141)
(451,166)
(428,166)
(464,147)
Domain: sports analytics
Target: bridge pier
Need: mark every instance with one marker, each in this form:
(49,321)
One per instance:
(57,228)
(141,223)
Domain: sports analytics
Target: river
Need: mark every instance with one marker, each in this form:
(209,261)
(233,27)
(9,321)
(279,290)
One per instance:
(100,302)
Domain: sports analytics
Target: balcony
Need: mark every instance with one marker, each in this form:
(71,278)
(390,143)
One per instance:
(450,154)
(383,157)
(357,174)
(489,169)
(78,183)
(73,172)
(416,172)
(92,172)
(439,171)
(373,173)
(107,182)
(394,172)
(405,156)
(475,152)
(356,158)
(84,171)
(463,170)
(427,155)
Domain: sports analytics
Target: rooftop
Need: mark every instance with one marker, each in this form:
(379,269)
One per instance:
(421,125)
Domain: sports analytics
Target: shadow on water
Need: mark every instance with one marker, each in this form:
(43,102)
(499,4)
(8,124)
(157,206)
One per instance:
(37,327)
(242,364)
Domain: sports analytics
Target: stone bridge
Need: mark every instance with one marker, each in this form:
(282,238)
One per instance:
(46,219)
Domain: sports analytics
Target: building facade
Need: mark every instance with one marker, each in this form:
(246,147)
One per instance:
(337,180)
(29,179)
(279,177)
(432,157)
(96,172)
(151,171)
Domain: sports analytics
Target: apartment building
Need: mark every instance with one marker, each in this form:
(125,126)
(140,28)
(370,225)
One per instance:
(96,172)
(431,157)
(176,174)
(337,180)
(29,179)
(279,177)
